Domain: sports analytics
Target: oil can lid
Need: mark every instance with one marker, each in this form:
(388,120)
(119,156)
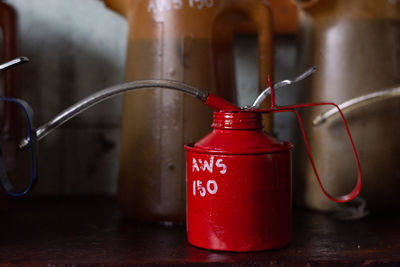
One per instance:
(237,120)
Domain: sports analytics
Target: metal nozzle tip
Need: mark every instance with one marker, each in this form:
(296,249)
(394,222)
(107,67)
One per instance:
(318,120)
(23,144)
(24,59)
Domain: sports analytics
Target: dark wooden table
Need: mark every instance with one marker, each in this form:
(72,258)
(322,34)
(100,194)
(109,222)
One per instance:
(92,231)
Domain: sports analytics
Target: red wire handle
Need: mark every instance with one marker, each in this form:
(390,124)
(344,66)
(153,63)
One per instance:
(275,109)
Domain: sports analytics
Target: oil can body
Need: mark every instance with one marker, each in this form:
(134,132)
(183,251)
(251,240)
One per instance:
(238,186)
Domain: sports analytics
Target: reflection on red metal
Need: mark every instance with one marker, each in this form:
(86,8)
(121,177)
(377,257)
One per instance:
(239,183)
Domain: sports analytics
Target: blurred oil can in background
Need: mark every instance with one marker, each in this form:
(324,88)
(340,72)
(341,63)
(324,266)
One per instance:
(355,46)
(183,40)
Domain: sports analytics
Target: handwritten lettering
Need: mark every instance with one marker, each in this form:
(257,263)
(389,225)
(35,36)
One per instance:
(211,188)
(205,165)
(166,5)
(219,164)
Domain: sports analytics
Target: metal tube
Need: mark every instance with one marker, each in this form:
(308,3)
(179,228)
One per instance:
(357,103)
(106,93)
(13,62)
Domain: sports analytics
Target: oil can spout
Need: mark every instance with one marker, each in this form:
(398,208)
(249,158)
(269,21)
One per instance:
(208,98)
(358,102)
(261,97)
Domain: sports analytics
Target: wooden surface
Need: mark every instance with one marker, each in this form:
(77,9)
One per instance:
(83,231)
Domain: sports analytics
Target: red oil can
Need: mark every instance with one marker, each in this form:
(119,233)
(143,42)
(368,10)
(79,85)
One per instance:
(239,180)
(238,186)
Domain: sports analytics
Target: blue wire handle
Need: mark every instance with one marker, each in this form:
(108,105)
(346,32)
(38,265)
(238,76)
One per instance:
(4,180)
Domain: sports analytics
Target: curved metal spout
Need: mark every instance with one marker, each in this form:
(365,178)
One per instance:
(358,102)
(106,93)
(261,97)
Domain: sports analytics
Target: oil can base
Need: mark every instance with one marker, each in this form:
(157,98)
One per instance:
(244,248)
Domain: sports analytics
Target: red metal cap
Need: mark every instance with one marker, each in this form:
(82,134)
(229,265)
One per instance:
(238,133)
(237,120)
